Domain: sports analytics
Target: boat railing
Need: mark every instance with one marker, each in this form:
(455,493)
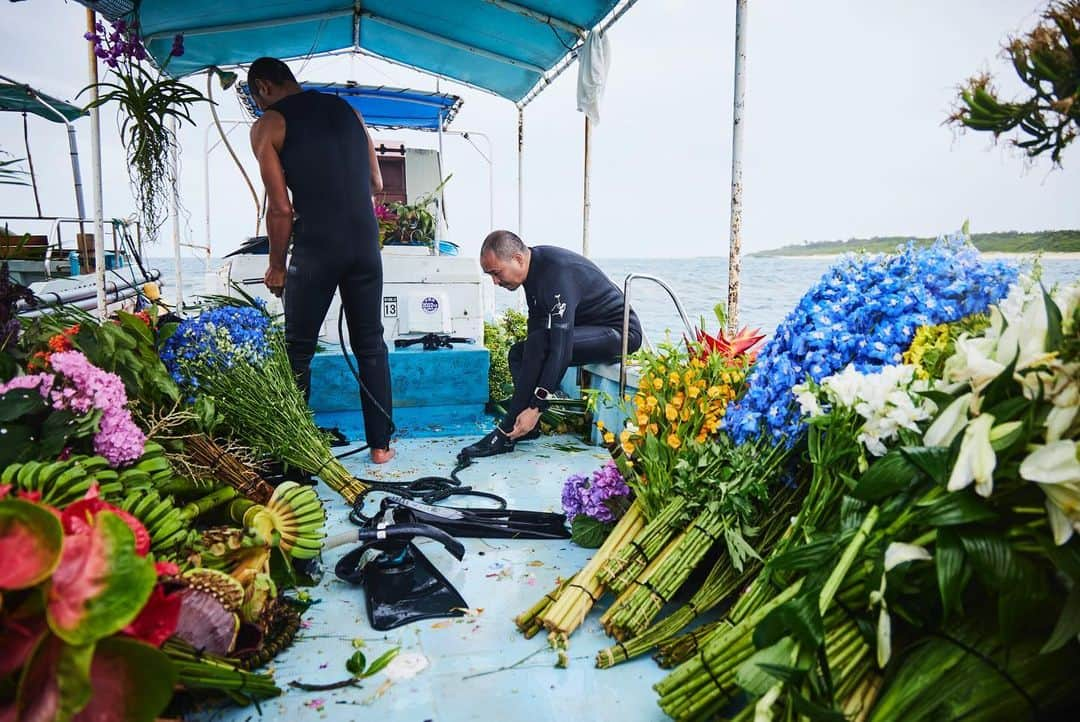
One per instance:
(55,235)
(627,282)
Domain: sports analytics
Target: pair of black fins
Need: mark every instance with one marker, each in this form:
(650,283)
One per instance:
(400,583)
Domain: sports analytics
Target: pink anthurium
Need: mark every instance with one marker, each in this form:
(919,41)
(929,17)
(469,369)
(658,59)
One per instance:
(30,543)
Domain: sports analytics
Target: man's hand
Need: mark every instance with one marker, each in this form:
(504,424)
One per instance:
(275,280)
(526,421)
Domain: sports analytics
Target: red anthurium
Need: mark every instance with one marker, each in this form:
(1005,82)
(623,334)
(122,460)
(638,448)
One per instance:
(30,543)
(157,620)
(78,518)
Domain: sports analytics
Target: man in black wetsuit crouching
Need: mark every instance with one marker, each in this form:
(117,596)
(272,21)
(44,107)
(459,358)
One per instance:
(318,147)
(575,318)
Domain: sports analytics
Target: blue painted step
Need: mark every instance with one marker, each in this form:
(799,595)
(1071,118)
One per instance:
(436,393)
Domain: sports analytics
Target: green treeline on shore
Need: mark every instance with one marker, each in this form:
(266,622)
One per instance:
(1002,242)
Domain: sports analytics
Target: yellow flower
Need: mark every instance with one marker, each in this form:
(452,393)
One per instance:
(600,425)
(658,384)
(653,429)
(673,441)
(689,377)
(677,402)
(714,392)
(609,438)
(697,363)
(671,412)
(686,414)
(628,447)
(651,402)
(624,436)
(693,392)
(643,419)
(673,377)
(700,438)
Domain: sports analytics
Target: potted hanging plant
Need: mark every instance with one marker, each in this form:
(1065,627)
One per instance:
(149,103)
(410,224)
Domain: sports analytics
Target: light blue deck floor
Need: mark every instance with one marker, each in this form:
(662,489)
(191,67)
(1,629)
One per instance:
(500,577)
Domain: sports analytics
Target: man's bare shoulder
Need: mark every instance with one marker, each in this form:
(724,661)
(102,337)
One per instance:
(269,127)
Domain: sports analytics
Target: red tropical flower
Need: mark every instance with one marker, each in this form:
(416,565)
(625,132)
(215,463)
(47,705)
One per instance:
(744,342)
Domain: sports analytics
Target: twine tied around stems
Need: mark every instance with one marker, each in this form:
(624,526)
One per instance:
(705,531)
(641,551)
(652,590)
(587,592)
(712,675)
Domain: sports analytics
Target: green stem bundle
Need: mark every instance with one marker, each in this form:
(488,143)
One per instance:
(629,561)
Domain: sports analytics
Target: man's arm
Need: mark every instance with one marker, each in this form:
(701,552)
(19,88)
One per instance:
(267,137)
(373,158)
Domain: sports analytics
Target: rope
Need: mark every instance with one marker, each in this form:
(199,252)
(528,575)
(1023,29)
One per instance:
(587,592)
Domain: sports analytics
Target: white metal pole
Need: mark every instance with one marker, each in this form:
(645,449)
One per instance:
(586,204)
(735,244)
(521,172)
(176,217)
(442,194)
(95,154)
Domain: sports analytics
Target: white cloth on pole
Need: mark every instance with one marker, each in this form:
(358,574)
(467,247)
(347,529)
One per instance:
(594,58)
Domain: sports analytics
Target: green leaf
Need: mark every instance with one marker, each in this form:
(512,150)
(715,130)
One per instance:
(812,710)
(132,682)
(800,618)
(1068,624)
(992,558)
(887,476)
(958,507)
(931,460)
(356,664)
(588,532)
(8,367)
(17,403)
(18,443)
(1054,337)
(55,683)
(753,678)
(804,557)
(952,570)
(379,664)
(852,513)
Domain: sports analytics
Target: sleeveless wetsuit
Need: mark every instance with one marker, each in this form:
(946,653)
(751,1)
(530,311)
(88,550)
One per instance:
(575,318)
(335,244)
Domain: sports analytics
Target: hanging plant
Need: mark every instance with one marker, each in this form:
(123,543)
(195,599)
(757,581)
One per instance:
(148,101)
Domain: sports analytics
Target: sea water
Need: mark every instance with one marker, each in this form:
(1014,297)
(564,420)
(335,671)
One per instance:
(770,287)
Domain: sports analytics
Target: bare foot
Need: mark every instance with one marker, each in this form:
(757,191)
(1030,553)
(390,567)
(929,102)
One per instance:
(381,456)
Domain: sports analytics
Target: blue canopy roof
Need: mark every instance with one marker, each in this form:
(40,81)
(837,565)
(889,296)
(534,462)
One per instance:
(503,46)
(381,107)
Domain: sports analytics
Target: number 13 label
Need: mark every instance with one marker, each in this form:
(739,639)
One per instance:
(389,306)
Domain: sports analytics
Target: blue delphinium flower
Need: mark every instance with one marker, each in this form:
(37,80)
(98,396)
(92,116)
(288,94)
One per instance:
(217,339)
(863,311)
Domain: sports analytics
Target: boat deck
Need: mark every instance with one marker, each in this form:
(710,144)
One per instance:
(479,667)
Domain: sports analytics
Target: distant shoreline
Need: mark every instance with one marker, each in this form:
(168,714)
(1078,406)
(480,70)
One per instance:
(1044,255)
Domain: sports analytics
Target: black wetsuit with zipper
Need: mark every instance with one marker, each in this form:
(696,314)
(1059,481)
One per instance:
(335,245)
(575,318)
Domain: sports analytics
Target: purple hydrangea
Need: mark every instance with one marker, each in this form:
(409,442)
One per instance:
(597,496)
(81,387)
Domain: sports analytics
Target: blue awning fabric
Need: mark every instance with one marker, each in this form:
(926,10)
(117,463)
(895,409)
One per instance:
(389,108)
(499,45)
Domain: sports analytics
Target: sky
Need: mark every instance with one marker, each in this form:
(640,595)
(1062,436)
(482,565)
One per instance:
(844,134)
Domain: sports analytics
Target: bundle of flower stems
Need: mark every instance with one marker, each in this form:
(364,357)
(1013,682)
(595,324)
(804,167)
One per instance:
(568,611)
(198,670)
(298,442)
(628,562)
(225,466)
(723,581)
(528,622)
(707,682)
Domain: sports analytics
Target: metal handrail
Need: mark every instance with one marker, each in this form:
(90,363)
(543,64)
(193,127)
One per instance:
(626,319)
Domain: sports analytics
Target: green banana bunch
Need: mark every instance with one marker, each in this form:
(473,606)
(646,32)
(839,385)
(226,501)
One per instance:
(168,523)
(293,518)
(151,470)
(62,482)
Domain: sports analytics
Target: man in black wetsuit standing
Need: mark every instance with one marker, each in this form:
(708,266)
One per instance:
(575,318)
(318,147)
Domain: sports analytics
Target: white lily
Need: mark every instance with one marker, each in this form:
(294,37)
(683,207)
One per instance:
(1053,463)
(1062,510)
(898,552)
(974,362)
(976,461)
(949,423)
(1058,421)
(808,400)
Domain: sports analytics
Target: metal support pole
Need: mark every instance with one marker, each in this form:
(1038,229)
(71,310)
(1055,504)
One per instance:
(30,163)
(175,207)
(521,172)
(735,245)
(586,205)
(76,175)
(95,154)
(442,194)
